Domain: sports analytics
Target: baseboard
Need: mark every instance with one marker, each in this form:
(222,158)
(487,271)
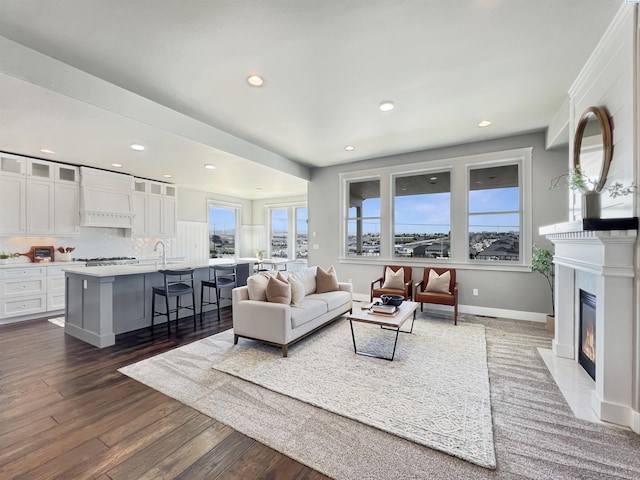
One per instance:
(635,422)
(475,310)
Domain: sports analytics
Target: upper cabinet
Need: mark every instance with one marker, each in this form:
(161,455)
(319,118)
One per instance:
(155,209)
(37,197)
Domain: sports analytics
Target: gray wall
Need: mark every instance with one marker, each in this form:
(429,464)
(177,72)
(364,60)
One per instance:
(192,205)
(519,291)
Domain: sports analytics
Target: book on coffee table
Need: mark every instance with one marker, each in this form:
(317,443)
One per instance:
(384,309)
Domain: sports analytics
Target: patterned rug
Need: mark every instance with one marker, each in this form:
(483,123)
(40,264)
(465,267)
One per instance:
(59,321)
(435,392)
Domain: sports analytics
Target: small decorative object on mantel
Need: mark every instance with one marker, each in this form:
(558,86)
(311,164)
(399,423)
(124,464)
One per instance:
(65,253)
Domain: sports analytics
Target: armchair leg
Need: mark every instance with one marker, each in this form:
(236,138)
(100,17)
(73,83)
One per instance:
(235,339)
(455,314)
(285,350)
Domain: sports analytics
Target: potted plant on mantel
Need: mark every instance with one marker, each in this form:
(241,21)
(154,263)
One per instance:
(542,262)
(576,180)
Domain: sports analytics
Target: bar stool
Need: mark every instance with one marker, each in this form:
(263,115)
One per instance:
(224,276)
(176,284)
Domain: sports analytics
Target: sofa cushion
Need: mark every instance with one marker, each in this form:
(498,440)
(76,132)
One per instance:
(297,290)
(308,278)
(307,310)
(257,287)
(393,279)
(333,300)
(326,281)
(278,290)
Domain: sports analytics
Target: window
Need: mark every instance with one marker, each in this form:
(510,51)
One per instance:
(287,227)
(494,213)
(470,212)
(422,215)
(279,233)
(222,231)
(302,221)
(363,219)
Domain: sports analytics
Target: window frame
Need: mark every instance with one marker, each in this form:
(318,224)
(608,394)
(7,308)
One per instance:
(292,227)
(347,218)
(458,166)
(237,208)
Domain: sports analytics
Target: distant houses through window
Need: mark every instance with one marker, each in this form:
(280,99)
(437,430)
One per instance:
(472,210)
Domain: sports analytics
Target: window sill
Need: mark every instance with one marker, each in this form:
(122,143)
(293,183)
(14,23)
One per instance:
(432,262)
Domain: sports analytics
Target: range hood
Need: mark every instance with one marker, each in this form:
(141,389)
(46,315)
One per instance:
(106,199)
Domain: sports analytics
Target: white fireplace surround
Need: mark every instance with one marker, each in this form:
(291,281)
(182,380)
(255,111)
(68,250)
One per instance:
(606,258)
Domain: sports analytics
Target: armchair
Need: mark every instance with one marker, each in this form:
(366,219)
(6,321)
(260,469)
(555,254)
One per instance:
(438,292)
(389,285)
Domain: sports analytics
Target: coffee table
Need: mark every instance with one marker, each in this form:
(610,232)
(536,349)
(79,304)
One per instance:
(387,322)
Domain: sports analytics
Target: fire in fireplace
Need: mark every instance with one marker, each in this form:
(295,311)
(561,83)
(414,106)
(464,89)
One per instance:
(587,350)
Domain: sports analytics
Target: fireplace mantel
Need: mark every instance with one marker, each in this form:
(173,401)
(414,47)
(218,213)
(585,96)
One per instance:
(608,256)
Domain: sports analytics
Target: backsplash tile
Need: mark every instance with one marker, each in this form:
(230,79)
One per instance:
(92,242)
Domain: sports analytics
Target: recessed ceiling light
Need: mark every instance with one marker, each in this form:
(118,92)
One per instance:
(433,178)
(137,147)
(484,123)
(117,165)
(349,148)
(255,80)
(208,166)
(46,150)
(166,175)
(387,106)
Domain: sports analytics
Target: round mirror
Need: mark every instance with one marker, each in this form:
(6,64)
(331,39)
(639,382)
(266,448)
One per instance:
(592,147)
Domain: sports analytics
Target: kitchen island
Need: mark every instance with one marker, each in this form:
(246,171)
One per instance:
(104,301)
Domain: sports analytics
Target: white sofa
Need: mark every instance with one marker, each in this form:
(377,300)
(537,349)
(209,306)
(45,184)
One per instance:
(282,324)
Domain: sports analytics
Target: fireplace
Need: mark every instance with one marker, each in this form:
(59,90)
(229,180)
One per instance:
(587,338)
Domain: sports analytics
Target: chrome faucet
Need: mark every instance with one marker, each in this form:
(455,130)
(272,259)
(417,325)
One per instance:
(164,251)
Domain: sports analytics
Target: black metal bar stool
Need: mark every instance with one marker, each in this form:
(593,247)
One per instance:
(220,276)
(176,284)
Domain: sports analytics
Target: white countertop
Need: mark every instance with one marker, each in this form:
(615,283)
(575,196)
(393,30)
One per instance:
(142,268)
(14,264)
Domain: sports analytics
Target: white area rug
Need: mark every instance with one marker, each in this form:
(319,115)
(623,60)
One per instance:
(59,321)
(435,392)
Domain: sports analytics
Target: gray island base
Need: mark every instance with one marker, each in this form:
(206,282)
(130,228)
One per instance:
(104,301)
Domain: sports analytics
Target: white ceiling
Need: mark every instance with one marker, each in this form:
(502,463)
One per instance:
(171,75)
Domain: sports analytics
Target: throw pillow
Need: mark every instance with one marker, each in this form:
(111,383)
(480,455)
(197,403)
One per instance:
(438,283)
(297,290)
(278,291)
(308,278)
(257,287)
(326,281)
(393,279)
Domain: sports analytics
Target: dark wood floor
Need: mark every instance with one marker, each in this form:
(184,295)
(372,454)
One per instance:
(66,412)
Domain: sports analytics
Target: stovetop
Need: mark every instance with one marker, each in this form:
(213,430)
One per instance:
(98,261)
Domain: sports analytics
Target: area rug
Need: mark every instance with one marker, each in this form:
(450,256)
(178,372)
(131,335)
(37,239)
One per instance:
(435,392)
(59,321)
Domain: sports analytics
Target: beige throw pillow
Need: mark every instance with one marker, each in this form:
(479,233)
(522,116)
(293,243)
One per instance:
(257,287)
(326,281)
(278,290)
(394,279)
(438,283)
(297,290)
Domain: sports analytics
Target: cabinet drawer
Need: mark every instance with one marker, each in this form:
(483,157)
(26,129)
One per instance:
(55,301)
(22,306)
(22,287)
(56,271)
(23,272)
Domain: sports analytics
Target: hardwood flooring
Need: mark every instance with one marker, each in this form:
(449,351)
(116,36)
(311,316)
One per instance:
(67,413)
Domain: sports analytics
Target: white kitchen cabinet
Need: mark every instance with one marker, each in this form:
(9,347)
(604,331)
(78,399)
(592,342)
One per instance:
(13,214)
(23,291)
(155,209)
(55,288)
(38,197)
(40,207)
